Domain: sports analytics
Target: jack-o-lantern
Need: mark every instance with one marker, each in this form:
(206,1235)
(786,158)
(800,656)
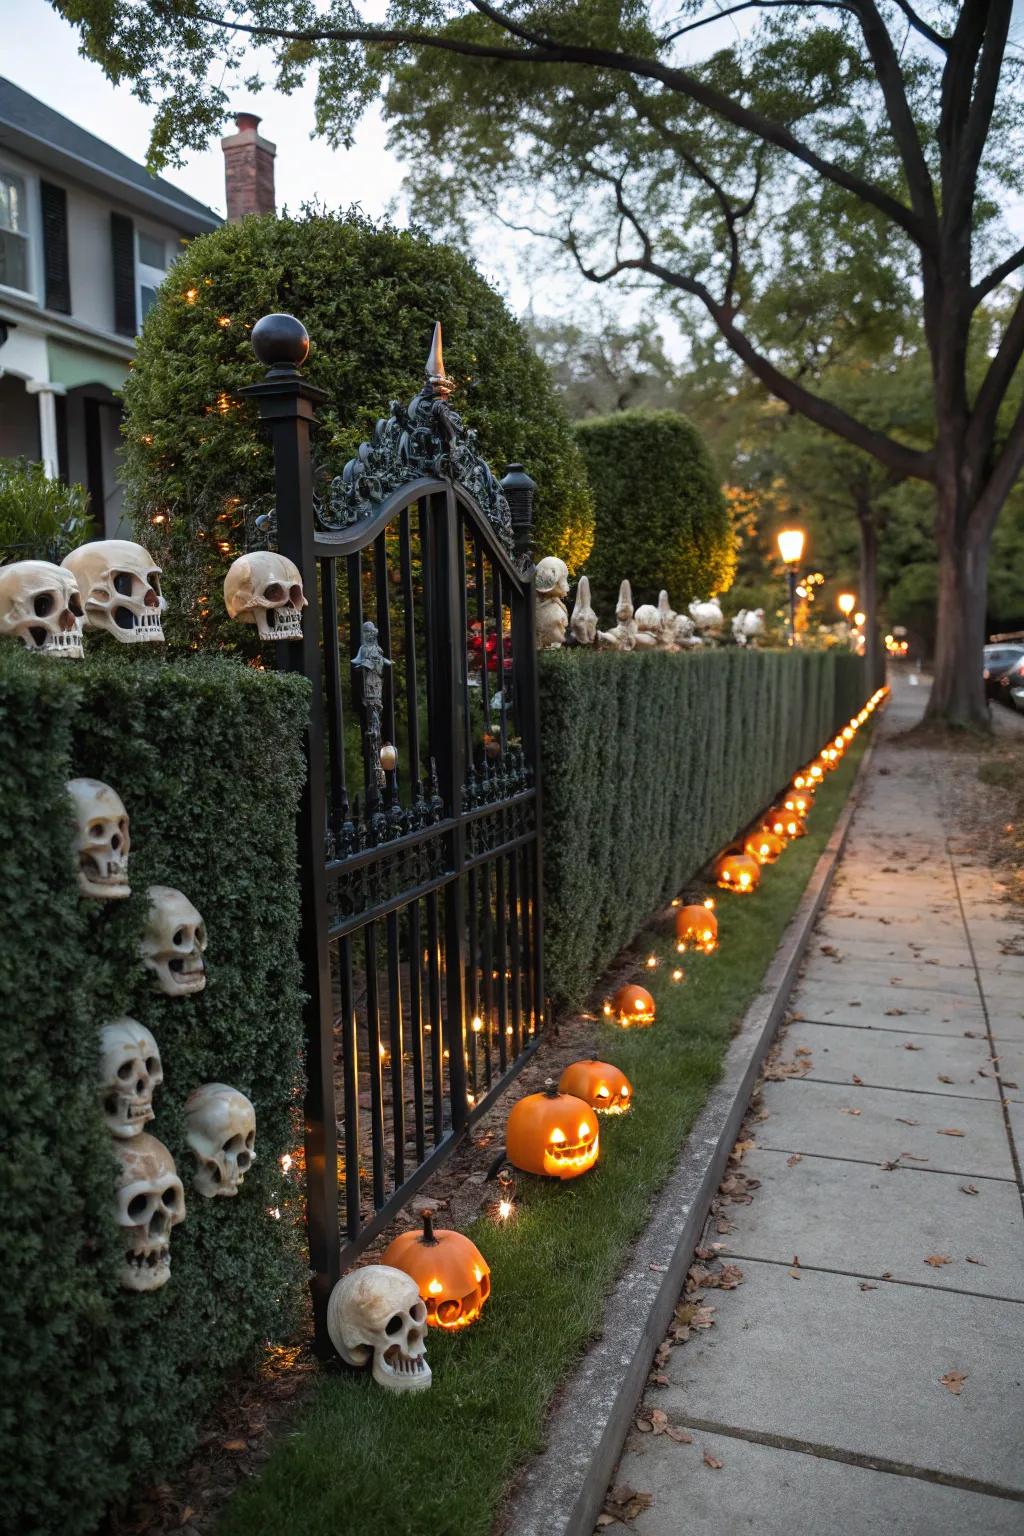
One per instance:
(450,1272)
(849,731)
(696,928)
(764,846)
(829,759)
(816,773)
(799,801)
(605,1088)
(738,872)
(785,824)
(632,1007)
(552,1133)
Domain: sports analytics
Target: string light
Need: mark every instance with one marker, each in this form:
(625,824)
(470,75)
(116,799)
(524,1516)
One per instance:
(652,962)
(678,974)
(477,1024)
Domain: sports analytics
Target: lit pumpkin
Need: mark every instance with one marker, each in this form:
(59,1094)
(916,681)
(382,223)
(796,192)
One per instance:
(605,1088)
(764,846)
(450,1272)
(785,824)
(848,732)
(816,773)
(840,743)
(803,780)
(696,928)
(552,1133)
(798,801)
(633,1007)
(738,872)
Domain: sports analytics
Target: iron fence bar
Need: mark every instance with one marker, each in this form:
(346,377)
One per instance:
(338,811)
(383,596)
(436,1033)
(416,1024)
(350,1081)
(411,688)
(516,988)
(373,1062)
(397,1043)
(450,619)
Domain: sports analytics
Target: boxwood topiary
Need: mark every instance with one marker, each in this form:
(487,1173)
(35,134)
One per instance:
(660,517)
(196,465)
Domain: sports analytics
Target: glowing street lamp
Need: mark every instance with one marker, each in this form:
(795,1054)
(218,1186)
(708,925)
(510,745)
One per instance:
(860,619)
(846,602)
(791,548)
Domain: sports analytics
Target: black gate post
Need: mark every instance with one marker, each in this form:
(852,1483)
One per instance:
(286,404)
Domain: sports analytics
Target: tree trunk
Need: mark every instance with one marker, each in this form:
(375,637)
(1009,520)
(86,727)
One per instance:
(958,688)
(869,592)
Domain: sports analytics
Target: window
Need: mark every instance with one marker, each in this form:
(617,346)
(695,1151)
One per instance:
(152,269)
(14,241)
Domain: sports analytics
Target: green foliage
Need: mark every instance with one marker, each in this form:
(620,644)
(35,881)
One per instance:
(101,1388)
(660,518)
(658,761)
(197,467)
(40,518)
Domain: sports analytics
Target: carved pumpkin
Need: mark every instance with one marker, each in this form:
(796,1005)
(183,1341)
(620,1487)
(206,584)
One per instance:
(816,772)
(799,801)
(552,1133)
(450,1272)
(764,846)
(738,872)
(785,824)
(604,1087)
(633,1007)
(696,928)
(848,732)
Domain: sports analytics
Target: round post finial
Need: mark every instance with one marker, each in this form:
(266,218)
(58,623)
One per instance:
(281,343)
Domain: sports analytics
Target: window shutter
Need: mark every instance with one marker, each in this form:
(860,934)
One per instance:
(122,247)
(55,247)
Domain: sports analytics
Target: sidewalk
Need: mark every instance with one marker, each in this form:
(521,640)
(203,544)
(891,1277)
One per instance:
(884,1248)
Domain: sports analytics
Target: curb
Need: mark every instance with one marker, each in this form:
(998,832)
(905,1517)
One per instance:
(562,1491)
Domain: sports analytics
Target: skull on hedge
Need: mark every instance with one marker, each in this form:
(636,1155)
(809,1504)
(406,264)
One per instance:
(376,1311)
(265,589)
(130,1072)
(221,1130)
(41,606)
(120,586)
(173,943)
(102,841)
(150,1201)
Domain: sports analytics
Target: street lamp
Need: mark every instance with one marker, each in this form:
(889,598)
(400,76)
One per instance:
(791,548)
(846,602)
(860,619)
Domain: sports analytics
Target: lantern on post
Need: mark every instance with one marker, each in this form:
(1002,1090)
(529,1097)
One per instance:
(519,492)
(791,548)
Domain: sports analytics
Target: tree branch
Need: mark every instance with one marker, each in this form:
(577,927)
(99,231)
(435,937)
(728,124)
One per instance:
(756,5)
(1003,477)
(920,25)
(904,130)
(981,432)
(996,276)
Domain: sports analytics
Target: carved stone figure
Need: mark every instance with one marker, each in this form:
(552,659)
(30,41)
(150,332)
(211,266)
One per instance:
(102,841)
(265,589)
(747,625)
(667,618)
(371,661)
(120,586)
(41,606)
(375,1313)
(130,1073)
(150,1202)
(684,632)
(551,580)
(624,637)
(173,943)
(583,623)
(221,1130)
(708,617)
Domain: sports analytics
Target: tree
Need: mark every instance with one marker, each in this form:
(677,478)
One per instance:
(839,163)
(598,369)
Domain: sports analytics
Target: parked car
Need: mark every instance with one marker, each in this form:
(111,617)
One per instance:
(998,661)
(1010,689)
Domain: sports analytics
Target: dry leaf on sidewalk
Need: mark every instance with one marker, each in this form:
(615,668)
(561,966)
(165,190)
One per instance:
(969,1189)
(713,1462)
(848,1111)
(868,1285)
(970,1260)
(797,1157)
(936,1260)
(953,1381)
(909,1046)
(944,1079)
(624,1503)
(858,1081)
(949,1132)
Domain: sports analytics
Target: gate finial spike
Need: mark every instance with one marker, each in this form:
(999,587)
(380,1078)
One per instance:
(437,379)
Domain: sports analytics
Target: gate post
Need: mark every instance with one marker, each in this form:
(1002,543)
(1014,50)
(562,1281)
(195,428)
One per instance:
(286,404)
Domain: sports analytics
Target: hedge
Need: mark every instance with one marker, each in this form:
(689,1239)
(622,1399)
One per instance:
(660,517)
(651,764)
(101,1388)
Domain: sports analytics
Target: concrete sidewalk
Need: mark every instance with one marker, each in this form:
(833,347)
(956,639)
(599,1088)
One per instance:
(884,1248)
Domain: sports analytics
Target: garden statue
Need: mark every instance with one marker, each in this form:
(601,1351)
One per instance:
(583,624)
(551,581)
(130,1072)
(265,589)
(747,625)
(648,627)
(41,606)
(667,618)
(173,943)
(120,586)
(624,636)
(221,1130)
(684,632)
(371,661)
(101,841)
(150,1201)
(376,1313)
(708,617)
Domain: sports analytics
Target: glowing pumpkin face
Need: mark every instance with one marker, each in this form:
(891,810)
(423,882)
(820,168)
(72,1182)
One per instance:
(848,732)
(696,928)
(816,772)
(604,1087)
(738,872)
(633,1007)
(764,846)
(552,1133)
(798,801)
(450,1272)
(785,824)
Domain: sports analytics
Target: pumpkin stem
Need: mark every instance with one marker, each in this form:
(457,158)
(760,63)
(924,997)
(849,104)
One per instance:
(428,1227)
(551,1088)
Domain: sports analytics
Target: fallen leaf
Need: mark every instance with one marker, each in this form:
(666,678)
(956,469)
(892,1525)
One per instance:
(909,1046)
(680,1436)
(803,1050)
(971,1034)
(936,1260)
(713,1462)
(950,1132)
(1008,1084)
(886,1274)
(659,1420)
(794,1274)
(604,1519)
(896,1013)
(643,1425)
(868,1285)
(858,1080)
(797,1157)
(848,1111)
(943,1078)
(658,1379)
(971,1260)
(953,1381)
(625,1503)
(888,1167)
(969,1189)
(235,1445)
(903,1121)
(702,1318)
(915,1156)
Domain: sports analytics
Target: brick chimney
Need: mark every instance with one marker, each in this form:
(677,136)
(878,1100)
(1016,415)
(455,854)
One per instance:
(248,169)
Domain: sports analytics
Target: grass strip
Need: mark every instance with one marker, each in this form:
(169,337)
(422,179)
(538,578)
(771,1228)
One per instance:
(438,1463)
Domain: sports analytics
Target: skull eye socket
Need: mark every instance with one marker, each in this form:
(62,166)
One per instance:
(418,1312)
(232,1145)
(179,938)
(123,583)
(170,1198)
(394,1325)
(75,604)
(274,593)
(97,829)
(125,1070)
(42,604)
(152,1065)
(137,1206)
(295,596)
(250,1140)
(154,582)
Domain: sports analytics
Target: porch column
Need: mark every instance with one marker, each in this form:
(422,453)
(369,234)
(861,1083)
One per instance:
(48,452)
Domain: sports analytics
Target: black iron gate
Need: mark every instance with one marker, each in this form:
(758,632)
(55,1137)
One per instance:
(419,849)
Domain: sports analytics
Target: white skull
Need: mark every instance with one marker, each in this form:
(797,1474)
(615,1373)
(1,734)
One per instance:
(102,841)
(150,1201)
(265,589)
(130,1071)
(221,1130)
(41,606)
(120,585)
(551,577)
(173,943)
(377,1310)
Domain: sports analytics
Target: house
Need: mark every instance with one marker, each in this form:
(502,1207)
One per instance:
(86,238)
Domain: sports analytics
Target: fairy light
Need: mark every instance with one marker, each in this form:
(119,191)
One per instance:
(678,974)
(652,962)
(190,295)
(709,902)
(286,1162)
(477,1024)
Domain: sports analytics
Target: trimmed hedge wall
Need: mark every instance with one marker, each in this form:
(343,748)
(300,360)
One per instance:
(652,763)
(101,1388)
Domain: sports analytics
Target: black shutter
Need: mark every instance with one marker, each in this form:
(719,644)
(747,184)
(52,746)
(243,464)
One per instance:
(122,248)
(55,247)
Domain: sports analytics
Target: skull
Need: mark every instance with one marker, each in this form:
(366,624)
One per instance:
(265,589)
(120,583)
(130,1071)
(174,941)
(41,605)
(101,839)
(377,1310)
(221,1130)
(551,577)
(150,1201)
